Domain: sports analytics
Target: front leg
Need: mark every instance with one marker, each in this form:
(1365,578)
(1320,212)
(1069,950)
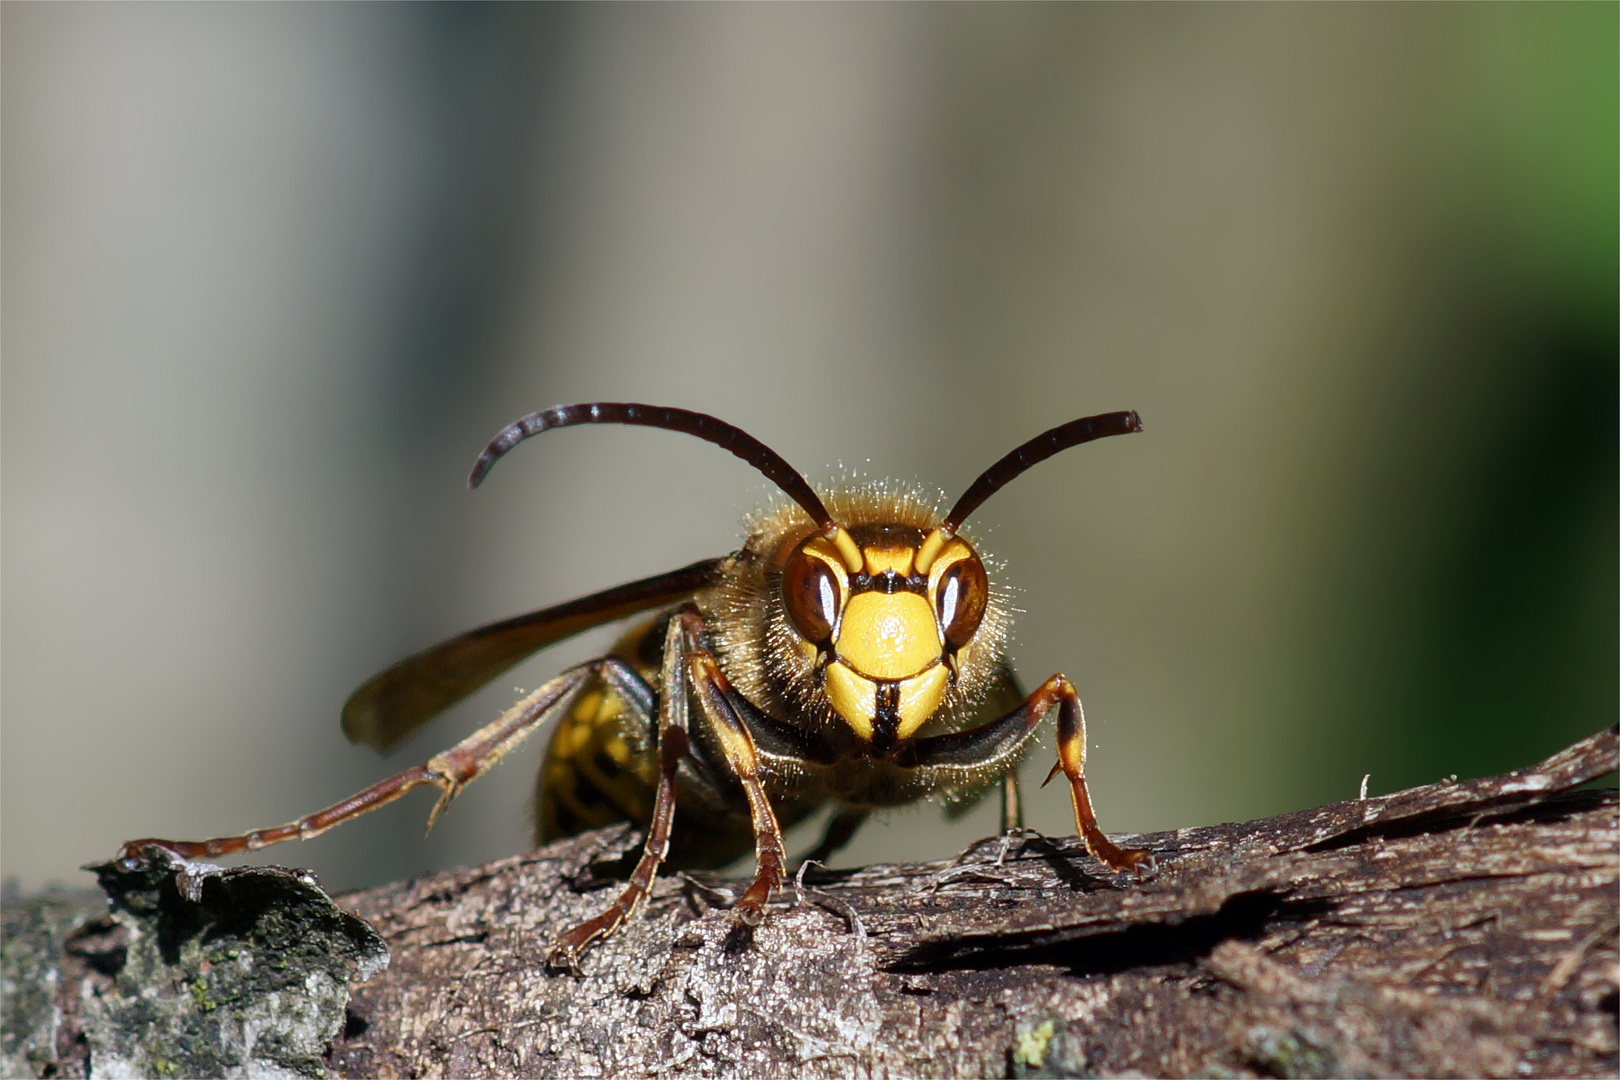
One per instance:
(1071,745)
(689,670)
(722,712)
(962,755)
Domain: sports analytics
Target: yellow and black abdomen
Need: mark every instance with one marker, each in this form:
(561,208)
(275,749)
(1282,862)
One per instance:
(592,775)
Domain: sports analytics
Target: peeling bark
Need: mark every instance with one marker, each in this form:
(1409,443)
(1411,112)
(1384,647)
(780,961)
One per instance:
(1458,929)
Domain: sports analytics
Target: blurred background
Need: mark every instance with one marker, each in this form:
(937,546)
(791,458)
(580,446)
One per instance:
(272,275)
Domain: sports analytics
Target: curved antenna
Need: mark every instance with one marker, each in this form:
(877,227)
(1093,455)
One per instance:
(704,426)
(1034,452)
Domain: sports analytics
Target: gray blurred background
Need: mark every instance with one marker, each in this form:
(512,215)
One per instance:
(272,275)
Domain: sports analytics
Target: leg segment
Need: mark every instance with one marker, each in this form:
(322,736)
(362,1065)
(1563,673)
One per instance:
(998,744)
(839,831)
(449,771)
(1012,802)
(1071,740)
(690,671)
(714,694)
(672,747)
(724,712)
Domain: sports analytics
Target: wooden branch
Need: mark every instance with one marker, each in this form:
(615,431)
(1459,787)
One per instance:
(1458,929)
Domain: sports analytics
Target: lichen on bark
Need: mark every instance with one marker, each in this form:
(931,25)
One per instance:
(196,971)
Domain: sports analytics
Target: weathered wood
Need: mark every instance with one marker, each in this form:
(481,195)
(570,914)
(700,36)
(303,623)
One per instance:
(1458,929)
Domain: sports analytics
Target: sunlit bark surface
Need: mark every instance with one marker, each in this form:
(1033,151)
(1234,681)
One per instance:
(1459,929)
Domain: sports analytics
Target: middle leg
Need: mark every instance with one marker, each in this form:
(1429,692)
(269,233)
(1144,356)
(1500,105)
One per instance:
(690,671)
(672,747)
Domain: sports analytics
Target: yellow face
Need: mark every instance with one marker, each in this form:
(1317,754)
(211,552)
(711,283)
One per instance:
(886,631)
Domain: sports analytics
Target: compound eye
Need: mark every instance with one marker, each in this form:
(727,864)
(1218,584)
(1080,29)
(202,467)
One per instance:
(810,591)
(963,592)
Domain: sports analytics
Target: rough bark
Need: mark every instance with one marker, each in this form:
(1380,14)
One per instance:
(1458,929)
